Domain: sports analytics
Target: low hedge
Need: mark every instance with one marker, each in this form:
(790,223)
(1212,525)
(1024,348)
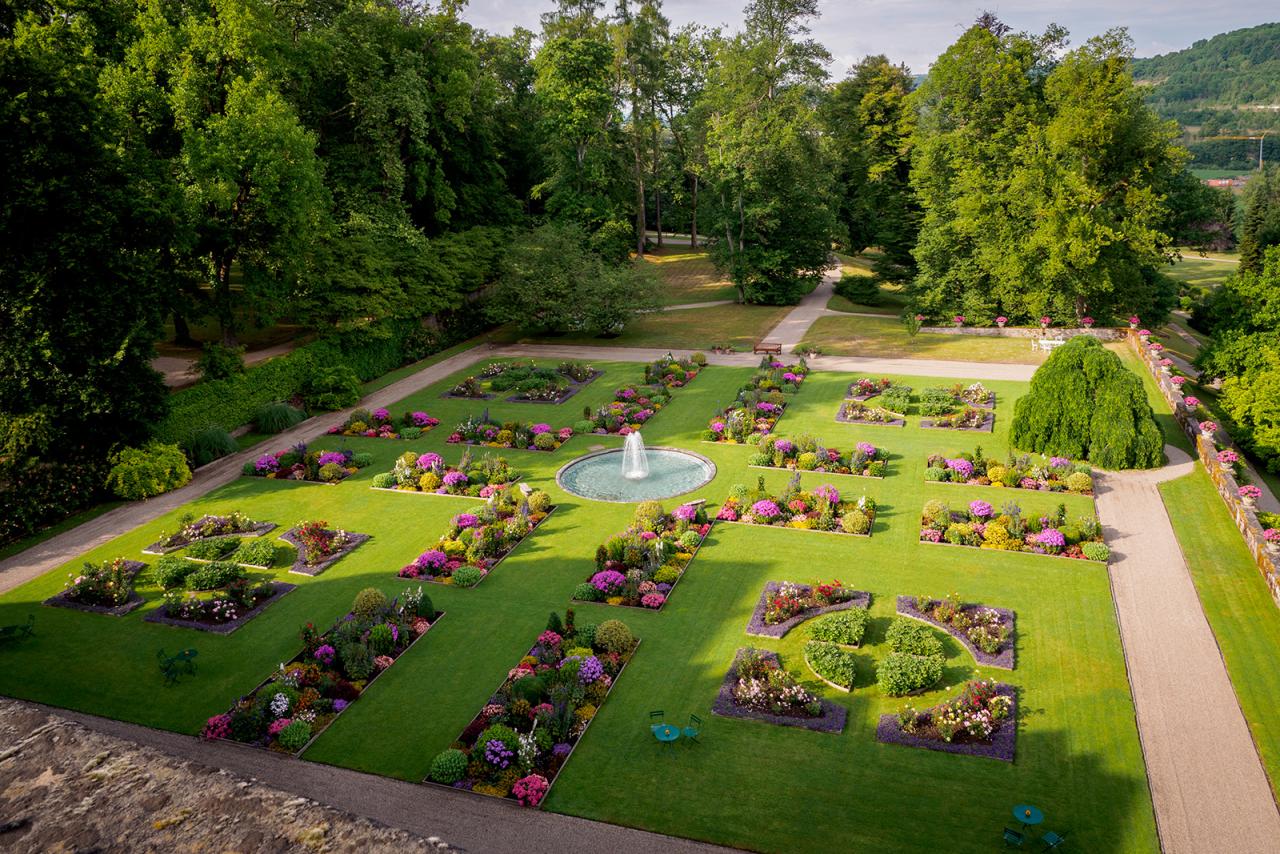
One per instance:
(211,576)
(845,627)
(836,665)
(901,673)
(908,636)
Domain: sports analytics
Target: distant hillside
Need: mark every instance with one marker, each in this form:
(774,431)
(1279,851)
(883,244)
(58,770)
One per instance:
(1223,86)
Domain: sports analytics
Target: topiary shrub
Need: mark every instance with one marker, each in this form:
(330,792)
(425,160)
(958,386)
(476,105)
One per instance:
(1084,404)
(211,443)
(614,636)
(277,417)
(901,673)
(1079,482)
(914,638)
(211,576)
(1096,551)
(368,603)
(544,442)
(467,576)
(138,473)
(384,480)
(449,766)
(170,572)
(648,513)
(539,501)
(587,592)
(855,522)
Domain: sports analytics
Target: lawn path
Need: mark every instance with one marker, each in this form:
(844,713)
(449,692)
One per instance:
(1207,781)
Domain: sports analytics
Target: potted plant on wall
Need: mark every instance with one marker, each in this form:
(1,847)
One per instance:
(1001,321)
(1249,495)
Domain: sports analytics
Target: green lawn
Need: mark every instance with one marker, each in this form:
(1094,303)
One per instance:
(687,276)
(1198,271)
(738,326)
(1236,600)
(888,338)
(748,784)
(892,298)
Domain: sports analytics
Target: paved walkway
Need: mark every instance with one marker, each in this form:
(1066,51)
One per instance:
(791,329)
(1207,782)
(179,371)
(464,822)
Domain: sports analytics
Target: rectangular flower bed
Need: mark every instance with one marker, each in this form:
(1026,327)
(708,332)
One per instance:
(865,388)
(234,524)
(672,372)
(804,453)
(1046,474)
(223,613)
(299,464)
(855,412)
(476,543)
(760,403)
(820,509)
(519,742)
(642,565)
(988,633)
(974,395)
(378,424)
(971,419)
(289,710)
(756,688)
(783,605)
(980,526)
(427,474)
(102,588)
(521,381)
(509,434)
(982,721)
(319,547)
(632,406)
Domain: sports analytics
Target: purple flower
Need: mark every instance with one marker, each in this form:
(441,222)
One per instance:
(466,520)
(339,705)
(1051,537)
(1059,462)
(828,492)
(540,428)
(432,559)
(381,414)
(784,446)
(455,478)
(648,535)
(765,509)
(867,448)
(497,754)
(608,581)
(325,654)
(979,509)
(962,467)
(790,377)
(421,419)
(562,750)
(590,670)
(266,464)
(685,512)
(431,460)
(717,426)
(766,408)
(332,457)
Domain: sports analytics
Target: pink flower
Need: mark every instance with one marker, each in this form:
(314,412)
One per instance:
(1002,319)
(1177,380)
(1208,427)
(1250,491)
(1193,402)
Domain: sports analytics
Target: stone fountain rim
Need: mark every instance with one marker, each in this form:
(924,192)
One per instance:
(711,466)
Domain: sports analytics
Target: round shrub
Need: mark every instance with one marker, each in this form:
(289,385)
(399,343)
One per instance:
(690,540)
(368,603)
(587,592)
(901,673)
(277,417)
(449,766)
(935,473)
(410,433)
(362,459)
(1079,482)
(807,461)
(759,459)
(170,572)
(583,426)
(211,576)
(1096,551)
(666,575)
(539,501)
(1085,404)
(467,576)
(330,472)
(844,627)
(908,636)
(648,514)
(384,480)
(429,482)
(138,473)
(995,474)
(295,736)
(502,733)
(855,522)
(614,636)
(544,442)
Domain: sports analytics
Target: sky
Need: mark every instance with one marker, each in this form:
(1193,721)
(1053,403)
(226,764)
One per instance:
(916,31)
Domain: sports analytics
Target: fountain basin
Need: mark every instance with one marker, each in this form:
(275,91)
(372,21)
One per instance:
(599,476)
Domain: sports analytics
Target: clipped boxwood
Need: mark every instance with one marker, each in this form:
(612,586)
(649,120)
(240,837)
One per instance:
(913,638)
(467,576)
(255,552)
(449,766)
(213,549)
(836,665)
(901,673)
(171,571)
(138,473)
(844,627)
(211,576)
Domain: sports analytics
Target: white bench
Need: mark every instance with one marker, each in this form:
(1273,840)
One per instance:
(1047,344)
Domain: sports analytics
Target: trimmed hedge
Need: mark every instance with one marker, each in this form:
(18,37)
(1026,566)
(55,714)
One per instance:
(901,673)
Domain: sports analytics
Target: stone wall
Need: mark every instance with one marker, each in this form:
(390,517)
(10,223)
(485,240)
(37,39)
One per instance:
(1246,518)
(1104,334)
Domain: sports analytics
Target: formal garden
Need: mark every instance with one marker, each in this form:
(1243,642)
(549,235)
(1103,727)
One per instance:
(841,662)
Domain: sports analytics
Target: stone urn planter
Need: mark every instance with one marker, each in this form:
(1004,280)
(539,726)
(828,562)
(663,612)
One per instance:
(1001,321)
(1273,548)
(1248,500)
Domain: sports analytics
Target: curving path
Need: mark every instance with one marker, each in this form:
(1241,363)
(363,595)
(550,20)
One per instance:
(1208,785)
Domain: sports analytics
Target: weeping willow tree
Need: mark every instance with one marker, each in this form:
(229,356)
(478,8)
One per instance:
(1084,404)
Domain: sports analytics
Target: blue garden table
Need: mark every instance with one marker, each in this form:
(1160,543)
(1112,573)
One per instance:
(666,733)
(1028,815)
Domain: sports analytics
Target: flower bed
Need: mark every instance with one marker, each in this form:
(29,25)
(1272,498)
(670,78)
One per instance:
(856,412)
(820,509)
(319,547)
(510,434)
(672,372)
(1046,474)
(784,605)
(428,474)
(525,382)
(760,403)
(640,566)
(980,526)
(757,688)
(518,743)
(234,524)
(298,463)
(979,722)
(477,542)
(988,633)
(297,703)
(102,588)
(222,613)
(865,388)
(378,424)
(973,395)
(970,418)
(631,407)
(804,453)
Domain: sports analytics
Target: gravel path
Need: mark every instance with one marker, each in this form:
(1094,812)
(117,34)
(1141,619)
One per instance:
(1207,782)
(791,330)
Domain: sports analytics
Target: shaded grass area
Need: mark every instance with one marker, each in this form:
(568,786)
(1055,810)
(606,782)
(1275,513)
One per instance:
(738,326)
(1244,617)
(892,298)
(687,275)
(748,784)
(888,338)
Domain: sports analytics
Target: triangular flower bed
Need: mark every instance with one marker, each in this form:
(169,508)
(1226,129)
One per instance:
(757,626)
(831,717)
(999,745)
(320,547)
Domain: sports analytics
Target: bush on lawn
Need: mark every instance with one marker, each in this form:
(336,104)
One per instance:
(901,673)
(138,473)
(908,636)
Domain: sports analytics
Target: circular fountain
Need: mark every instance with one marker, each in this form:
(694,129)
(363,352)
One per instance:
(635,473)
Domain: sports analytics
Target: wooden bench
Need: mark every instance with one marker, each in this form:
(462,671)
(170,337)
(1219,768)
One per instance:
(172,665)
(19,630)
(767,347)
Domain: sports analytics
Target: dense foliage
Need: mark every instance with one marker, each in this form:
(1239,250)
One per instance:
(1084,404)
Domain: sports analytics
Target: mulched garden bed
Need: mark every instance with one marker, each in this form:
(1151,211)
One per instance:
(1003,659)
(988,424)
(572,389)
(426,579)
(898,422)
(756,625)
(135,600)
(832,719)
(256,531)
(989,403)
(1000,747)
(299,563)
(159,616)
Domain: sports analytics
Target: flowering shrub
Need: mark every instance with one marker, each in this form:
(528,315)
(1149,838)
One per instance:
(639,566)
(865,387)
(107,584)
(378,424)
(1009,531)
(764,686)
(332,670)
(806,454)
(429,473)
(317,542)
(760,403)
(510,434)
(1023,471)
(973,716)
(475,542)
(672,372)
(517,744)
(298,463)
(791,600)
(805,510)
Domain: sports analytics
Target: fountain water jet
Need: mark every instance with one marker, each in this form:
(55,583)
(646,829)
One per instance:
(635,460)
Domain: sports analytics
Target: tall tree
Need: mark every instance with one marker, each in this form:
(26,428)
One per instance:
(687,65)
(641,39)
(1260,227)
